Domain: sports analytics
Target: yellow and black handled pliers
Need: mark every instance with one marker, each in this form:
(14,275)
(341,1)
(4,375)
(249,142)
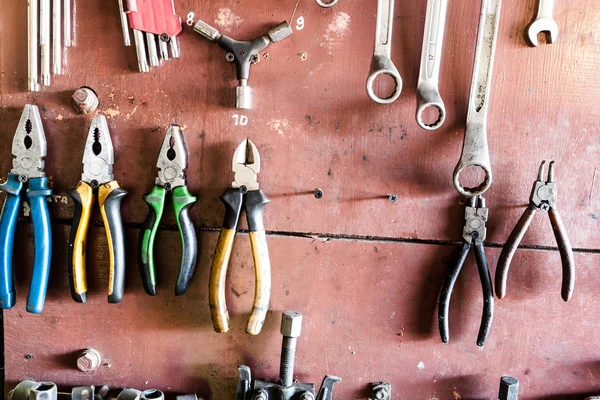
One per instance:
(244,191)
(97,178)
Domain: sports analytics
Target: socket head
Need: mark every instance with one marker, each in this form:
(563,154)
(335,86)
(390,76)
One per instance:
(291,324)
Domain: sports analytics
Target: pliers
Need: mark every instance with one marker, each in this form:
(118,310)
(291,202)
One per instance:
(29,151)
(474,234)
(543,197)
(172,163)
(97,178)
(244,191)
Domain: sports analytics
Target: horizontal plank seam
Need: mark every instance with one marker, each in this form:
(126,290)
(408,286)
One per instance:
(331,236)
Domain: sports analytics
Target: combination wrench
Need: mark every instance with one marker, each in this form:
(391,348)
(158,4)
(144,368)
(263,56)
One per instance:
(382,64)
(544,22)
(475,152)
(428,94)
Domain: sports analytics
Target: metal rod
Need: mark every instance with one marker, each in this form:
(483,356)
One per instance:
(124,24)
(152,49)
(32,46)
(174,47)
(66,22)
(45,41)
(140,49)
(56,38)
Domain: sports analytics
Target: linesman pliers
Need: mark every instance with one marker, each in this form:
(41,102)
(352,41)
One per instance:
(97,177)
(474,233)
(244,191)
(172,163)
(29,150)
(543,197)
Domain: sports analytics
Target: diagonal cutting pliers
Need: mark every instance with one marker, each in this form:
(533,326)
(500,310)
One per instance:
(172,163)
(29,150)
(244,191)
(97,178)
(544,198)
(474,234)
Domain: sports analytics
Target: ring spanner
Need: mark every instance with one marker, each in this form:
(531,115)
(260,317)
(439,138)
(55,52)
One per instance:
(428,94)
(475,151)
(382,64)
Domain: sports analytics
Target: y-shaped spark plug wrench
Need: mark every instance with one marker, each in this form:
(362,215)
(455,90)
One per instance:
(475,146)
(382,64)
(428,94)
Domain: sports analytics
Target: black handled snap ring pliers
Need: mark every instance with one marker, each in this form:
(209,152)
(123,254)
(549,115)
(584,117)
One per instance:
(97,178)
(544,198)
(474,233)
(172,163)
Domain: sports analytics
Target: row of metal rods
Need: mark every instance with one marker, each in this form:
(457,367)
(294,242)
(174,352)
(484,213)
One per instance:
(44,16)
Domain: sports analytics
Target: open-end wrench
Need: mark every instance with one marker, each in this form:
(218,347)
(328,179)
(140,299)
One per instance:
(475,151)
(544,22)
(382,64)
(428,94)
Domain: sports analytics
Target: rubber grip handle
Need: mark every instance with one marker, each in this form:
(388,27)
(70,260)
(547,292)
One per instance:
(509,249)
(110,196)
(156,205)
(83,198)
(182,201)
(446,293)
(488,295)
(262,291)
(37,192)
(8,224)
(566,254)
(232,199)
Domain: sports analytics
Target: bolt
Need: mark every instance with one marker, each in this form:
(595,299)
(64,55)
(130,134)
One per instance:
(393,197)
(318,193)
(85,100)
(254,58)
(229,57)
(89,360)
(261,395)
(291,325)
(307,396)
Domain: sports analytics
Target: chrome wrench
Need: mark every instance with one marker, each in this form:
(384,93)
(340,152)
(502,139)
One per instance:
(428,94)
(544,22)
(475,151)
(382,64)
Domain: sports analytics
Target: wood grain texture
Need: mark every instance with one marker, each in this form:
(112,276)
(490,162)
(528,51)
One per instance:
(369,314)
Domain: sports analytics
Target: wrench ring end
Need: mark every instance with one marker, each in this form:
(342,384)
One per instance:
(397,90)
(325,4)
(438,123)
(472,191)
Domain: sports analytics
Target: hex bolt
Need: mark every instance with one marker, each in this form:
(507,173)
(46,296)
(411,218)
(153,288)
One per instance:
(89,360)
(291,325)
(85,100)
(318,193)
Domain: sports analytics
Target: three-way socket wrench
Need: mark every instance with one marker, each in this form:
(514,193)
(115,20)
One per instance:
(428,94)
(475,151)
(285,388)
(243,54)
(381,63)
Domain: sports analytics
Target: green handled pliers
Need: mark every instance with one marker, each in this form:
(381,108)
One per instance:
(172,163)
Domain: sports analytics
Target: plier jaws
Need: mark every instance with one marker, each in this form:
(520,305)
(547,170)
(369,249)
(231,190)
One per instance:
(98,156)
(246,166)
(474,234)
(543,197)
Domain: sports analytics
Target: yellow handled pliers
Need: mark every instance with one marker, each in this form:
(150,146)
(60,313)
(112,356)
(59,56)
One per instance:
(97,177)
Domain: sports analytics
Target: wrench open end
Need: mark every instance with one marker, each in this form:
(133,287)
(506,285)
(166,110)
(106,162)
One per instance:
(543,25)
(471,169)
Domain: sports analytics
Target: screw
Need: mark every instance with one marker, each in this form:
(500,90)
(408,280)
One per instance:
(85,100)
(229,57)
(164,37)
(167,186)
(94,184)
(254,58)
(243,189)
(261,395)
(544,206)
(307,396)
(393,197)
(291,325)
(89,360)
(23,178)
(318,193)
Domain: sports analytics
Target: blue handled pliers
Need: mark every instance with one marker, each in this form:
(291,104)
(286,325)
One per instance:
(29,150)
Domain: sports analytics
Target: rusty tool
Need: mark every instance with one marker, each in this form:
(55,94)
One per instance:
(475,151)
(243,54)
(544,198)
(544,23)
(474,234)
(244,191)
(285,388)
